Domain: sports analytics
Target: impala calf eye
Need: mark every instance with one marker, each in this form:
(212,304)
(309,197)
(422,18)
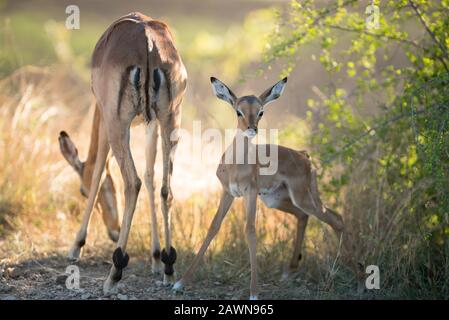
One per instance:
(260,113)
(239,113)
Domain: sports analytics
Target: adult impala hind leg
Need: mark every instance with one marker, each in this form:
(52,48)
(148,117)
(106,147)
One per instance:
(169,127)
(119,135)
(223,208)
(103,150)
(150,155)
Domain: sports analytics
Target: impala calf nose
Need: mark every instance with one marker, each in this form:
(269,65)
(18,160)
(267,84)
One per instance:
(251,132)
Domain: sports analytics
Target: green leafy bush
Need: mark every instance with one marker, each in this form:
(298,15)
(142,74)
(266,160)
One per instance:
(381,129)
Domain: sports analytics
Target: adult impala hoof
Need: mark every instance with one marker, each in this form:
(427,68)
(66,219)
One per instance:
(253,298)
(74,253)
(110,287)
(156,267)
(156,263)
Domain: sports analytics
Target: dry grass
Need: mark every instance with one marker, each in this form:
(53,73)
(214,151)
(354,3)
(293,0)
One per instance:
(40,204)
(40,209)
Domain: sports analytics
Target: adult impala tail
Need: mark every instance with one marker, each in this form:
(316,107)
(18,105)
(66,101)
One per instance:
(137,76)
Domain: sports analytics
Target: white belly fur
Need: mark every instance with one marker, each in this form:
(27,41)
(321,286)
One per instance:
(234,190)
(272,197)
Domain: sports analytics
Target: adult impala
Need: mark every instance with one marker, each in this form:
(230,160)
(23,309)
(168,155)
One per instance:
(137,76)
(291,188)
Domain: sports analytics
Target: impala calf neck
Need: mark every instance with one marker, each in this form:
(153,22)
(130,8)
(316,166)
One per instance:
(291,188)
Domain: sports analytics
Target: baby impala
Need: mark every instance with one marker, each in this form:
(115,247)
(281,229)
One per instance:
(291,188)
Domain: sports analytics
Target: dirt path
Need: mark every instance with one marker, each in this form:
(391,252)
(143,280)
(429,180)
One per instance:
(45,279)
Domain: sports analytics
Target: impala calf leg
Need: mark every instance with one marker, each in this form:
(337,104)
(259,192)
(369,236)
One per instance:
(323,213)
(250,230)
(103,149)
(309,202)
(347,248)
(331,218)
(119,141)
(150,152)
(225,203)
(301,224)
(336,221)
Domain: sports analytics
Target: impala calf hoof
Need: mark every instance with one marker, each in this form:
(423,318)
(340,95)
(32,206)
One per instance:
(178,286)
(253,298)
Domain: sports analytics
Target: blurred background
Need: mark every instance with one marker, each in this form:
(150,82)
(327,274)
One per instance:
(367,96)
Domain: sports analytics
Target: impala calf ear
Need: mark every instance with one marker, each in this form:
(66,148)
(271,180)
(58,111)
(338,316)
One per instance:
(273,93)
(70,152)
(222,91)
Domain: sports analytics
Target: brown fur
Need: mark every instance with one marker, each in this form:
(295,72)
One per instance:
(126,58)
(292,188)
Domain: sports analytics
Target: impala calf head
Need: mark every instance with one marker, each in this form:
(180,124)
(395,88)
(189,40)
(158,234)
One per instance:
(250,108)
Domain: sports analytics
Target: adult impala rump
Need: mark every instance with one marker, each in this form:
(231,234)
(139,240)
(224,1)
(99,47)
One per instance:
(136,74)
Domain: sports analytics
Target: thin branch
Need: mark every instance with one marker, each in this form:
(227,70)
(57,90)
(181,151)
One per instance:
(323,14)
(406,41)
(431,33)
(360,137)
